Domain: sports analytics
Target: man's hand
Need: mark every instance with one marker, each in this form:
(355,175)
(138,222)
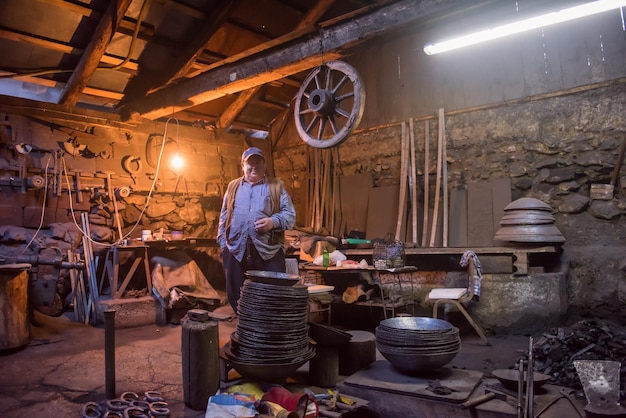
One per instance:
(263,225)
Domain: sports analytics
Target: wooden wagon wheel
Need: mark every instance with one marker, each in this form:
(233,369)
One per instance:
(329,104)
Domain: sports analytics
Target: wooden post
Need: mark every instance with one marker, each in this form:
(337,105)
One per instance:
(200,355)
(359,353)
(14,315)
(324,367)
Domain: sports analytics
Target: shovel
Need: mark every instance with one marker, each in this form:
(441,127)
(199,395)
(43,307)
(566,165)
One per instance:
(600,379)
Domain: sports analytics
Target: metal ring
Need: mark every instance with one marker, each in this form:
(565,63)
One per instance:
(117,404)
(135,412)
(144,405)
(91,410)
(159,409)
(153,396)
(129,396)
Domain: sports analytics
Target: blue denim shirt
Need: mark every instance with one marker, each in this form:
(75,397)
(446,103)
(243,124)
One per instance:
(252,202)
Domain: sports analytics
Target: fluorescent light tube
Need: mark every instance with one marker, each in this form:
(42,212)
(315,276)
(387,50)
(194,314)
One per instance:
(564,15)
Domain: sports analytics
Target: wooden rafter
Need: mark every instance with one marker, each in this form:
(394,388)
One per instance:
(185,56)
(295,52)
(236,107)
(94,52)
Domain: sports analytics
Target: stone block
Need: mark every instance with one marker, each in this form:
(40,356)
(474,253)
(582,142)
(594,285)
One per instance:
(132,312)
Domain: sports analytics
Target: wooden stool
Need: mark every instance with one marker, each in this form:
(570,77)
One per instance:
(359,353)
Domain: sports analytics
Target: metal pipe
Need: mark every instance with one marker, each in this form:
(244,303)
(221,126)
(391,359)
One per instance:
(35,260)
(529,381)
(109,352)
(520,389)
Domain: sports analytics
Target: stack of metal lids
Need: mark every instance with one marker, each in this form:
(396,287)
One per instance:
(271,336)
(528,220)
(417,344)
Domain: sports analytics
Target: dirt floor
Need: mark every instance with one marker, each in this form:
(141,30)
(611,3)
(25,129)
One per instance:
(63,366)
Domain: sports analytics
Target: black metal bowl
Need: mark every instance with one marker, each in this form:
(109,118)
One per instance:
(272,372)
(510,378)
(272,277)
(416,363)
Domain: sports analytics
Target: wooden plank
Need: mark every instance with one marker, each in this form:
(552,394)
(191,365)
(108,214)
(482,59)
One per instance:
(433,231)
(479,215)
(571,54)
(404,160)
(541,65)
(426,205)
(613,45)
(501,197)
(458,216)
(93,53)
(413,180)
(444,178)
(490,250)
(354,195)
(383,201)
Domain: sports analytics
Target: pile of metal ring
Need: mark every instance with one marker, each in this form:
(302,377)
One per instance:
(129,405)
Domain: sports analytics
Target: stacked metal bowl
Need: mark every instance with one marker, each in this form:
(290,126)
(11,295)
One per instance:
(417,344)
(528,220)
(271,339)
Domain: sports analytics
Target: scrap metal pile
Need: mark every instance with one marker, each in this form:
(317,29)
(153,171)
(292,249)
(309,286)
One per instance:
(555,351)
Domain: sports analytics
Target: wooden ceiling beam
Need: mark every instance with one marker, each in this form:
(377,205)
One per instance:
(94,52)
(185,55)
(287,55)
(127,25)
(234,109)
(61,47)
(231,112)
(56,112)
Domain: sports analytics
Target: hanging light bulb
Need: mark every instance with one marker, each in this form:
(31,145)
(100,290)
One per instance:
(177,162)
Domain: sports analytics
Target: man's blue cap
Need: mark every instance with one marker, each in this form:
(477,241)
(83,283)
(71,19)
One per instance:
(250,152)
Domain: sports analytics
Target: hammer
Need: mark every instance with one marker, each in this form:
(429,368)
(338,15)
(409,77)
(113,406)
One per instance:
(489,395)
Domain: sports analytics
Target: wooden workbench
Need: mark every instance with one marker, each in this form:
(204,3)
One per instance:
(505,259)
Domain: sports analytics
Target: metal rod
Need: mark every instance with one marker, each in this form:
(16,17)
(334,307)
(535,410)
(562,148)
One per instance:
(529,381)
(109,352)
(520,389)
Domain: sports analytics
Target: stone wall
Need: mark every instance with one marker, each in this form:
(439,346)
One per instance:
(551,147)
(81,169)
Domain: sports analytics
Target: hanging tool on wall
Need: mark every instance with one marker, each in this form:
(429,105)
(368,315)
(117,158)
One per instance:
(78,185)
(116,213)
(132,165)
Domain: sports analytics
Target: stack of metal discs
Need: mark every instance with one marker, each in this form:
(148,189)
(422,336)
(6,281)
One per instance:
(271,339)
(528,220)
(417,344)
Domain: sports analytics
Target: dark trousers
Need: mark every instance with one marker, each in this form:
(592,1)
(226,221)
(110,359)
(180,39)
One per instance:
(234,270)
